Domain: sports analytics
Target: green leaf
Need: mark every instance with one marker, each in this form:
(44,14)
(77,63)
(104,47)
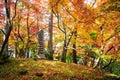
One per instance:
(93,35)
(106,56)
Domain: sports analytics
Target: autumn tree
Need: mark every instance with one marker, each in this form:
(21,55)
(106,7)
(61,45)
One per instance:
(100,35)
(27,24)
(57,9)
(9,21)
(70,20)
(109,30)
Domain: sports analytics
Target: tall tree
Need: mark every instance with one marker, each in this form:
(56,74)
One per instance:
(50,32)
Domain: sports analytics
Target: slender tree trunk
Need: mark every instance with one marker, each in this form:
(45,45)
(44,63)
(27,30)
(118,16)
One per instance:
(66,41)
(98,64)
(74,54)
(74,47)
(6,30)
(50,30)
(28,37)
(6,40)
(63,57)
(8,27)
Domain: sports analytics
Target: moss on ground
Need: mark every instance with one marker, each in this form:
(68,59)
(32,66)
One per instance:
(26,69)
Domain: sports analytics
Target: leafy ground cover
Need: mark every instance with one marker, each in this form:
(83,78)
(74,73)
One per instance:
(29,69)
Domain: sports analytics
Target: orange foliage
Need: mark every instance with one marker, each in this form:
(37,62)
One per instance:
(100,2)
(78,2)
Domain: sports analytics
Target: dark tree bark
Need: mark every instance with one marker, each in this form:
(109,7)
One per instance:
(74,54)
(63,57)
(9,24)
(74,47)
(50,31)
(8,28)
(6,40)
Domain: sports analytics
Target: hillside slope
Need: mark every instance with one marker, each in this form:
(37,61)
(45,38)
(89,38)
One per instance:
(28,69)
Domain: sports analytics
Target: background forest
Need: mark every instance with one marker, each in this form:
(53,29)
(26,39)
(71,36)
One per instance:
(85,32)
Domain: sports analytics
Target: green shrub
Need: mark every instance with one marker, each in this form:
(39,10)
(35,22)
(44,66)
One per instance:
(34,56)
(49,55)
(111,77)
(114,68)
(69,59)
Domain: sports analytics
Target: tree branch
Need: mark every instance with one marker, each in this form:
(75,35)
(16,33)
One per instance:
(111,61)
(15,9)
(3,32)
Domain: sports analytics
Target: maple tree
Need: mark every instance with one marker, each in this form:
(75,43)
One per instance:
(74,17)
(29,23)
(108,31)
(9,22)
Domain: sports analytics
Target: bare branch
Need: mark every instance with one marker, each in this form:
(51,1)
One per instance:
(93,3)
(15,9)
(59,24)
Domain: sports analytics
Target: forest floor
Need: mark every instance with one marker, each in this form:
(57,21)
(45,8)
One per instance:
(29,69)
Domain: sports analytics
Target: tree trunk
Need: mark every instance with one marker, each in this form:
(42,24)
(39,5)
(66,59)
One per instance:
(8,27)
(6,30)
(50,30)
(98,64)
(63,57)
(74,47)
(66,41)
(28,37)
(74,54)
(6,40)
